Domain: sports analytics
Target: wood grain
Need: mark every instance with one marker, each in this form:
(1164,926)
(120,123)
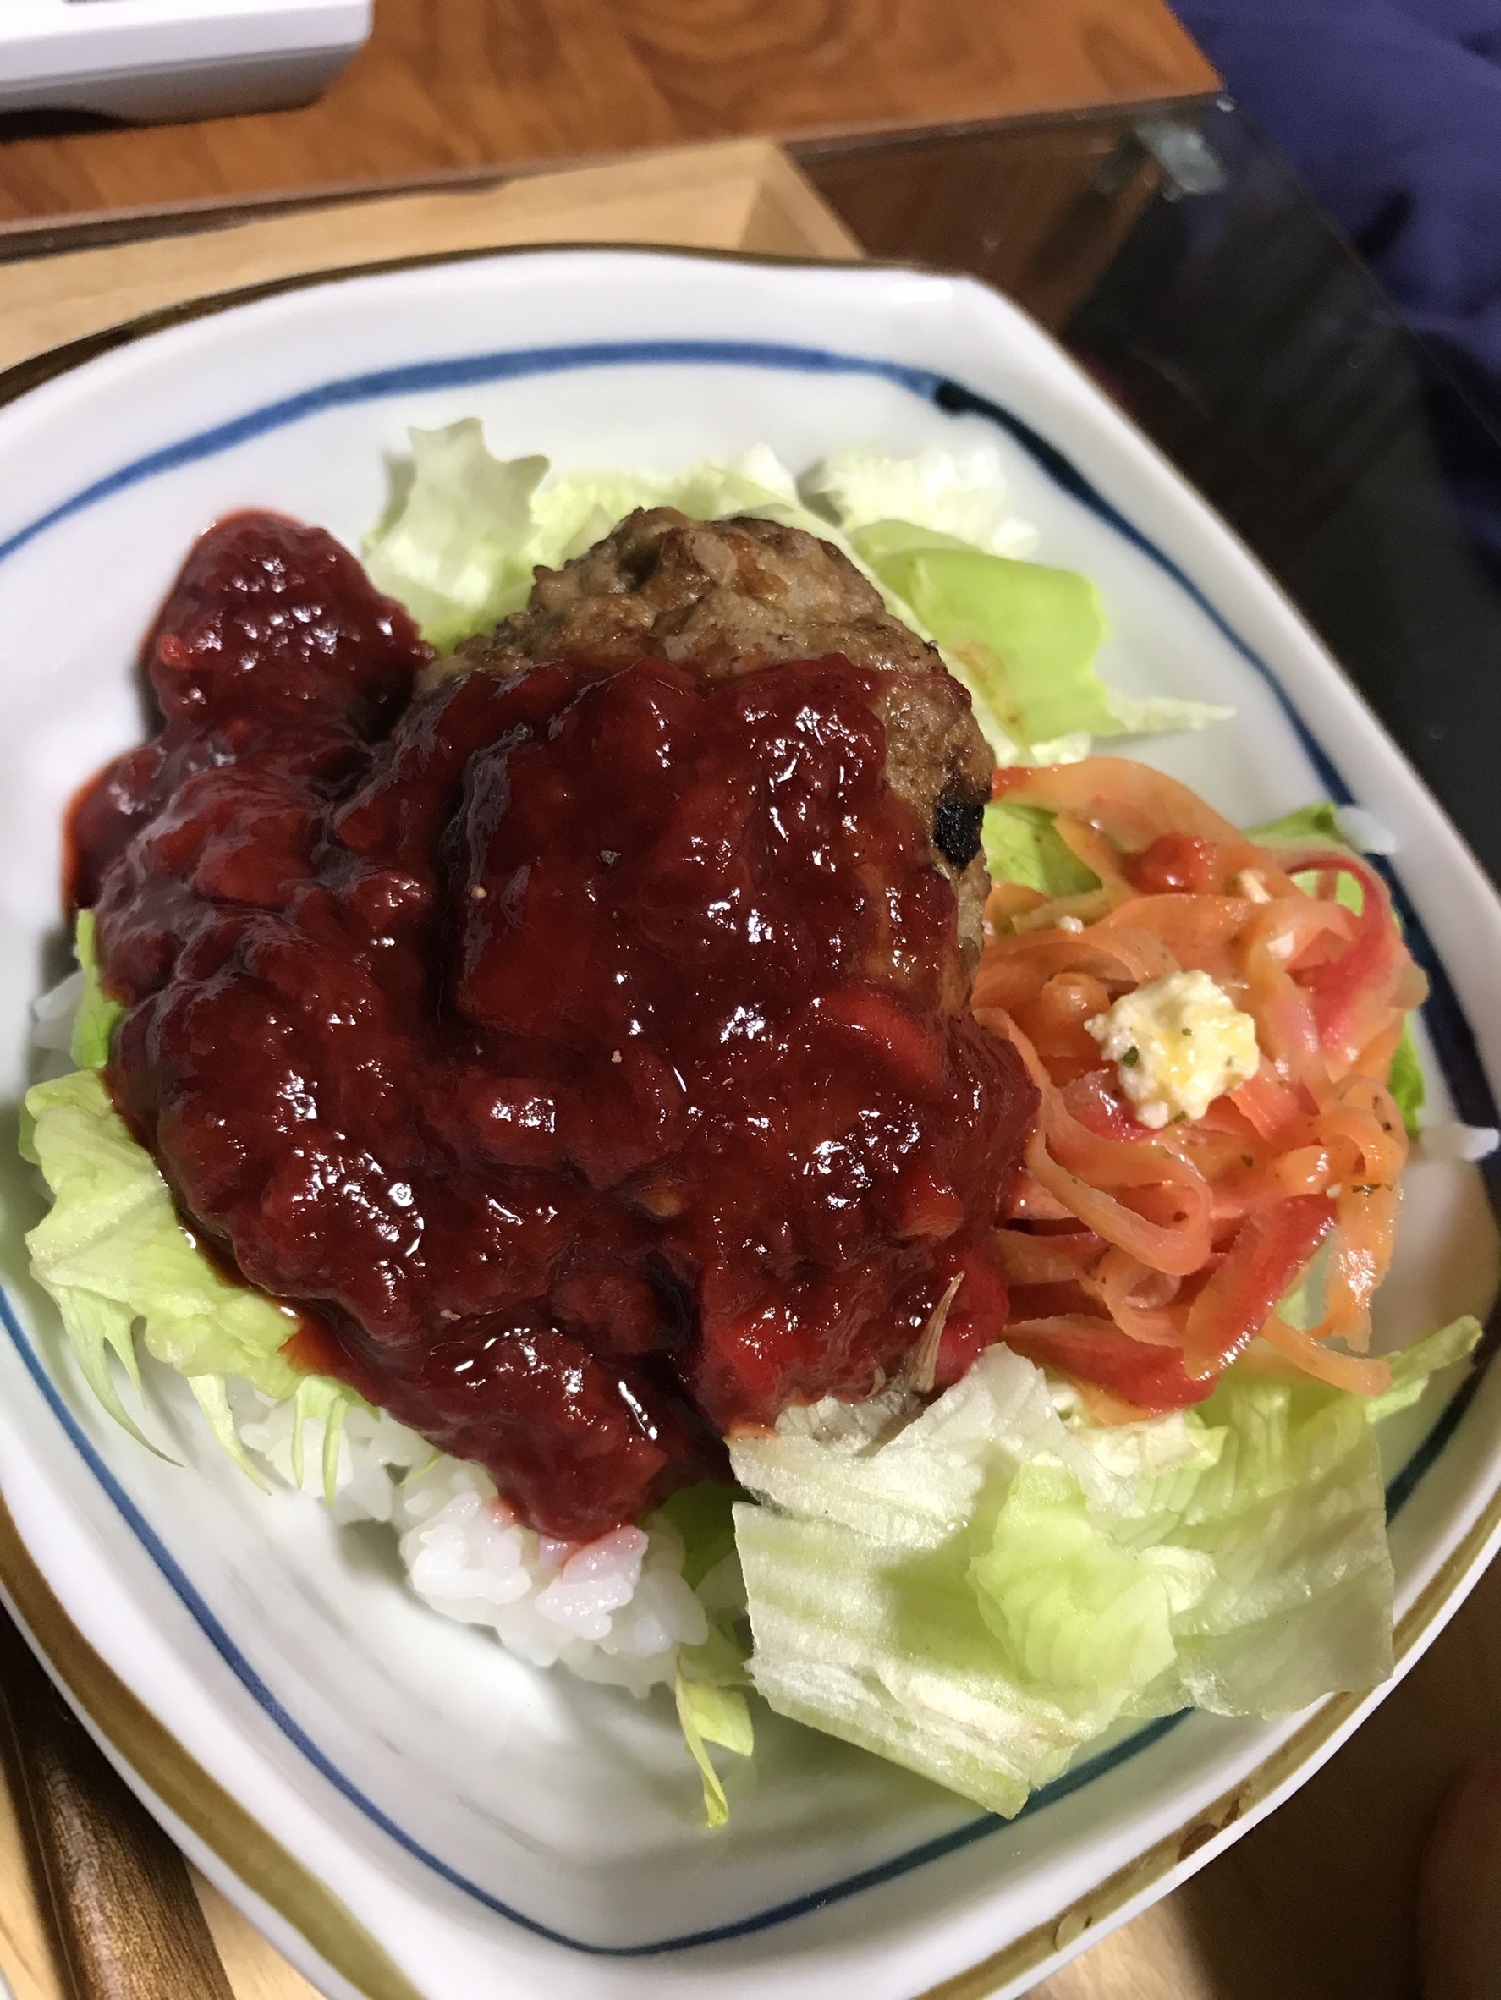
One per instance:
(124,1917)
(27,1955)
(256,1969)
(744,194)
(449,85)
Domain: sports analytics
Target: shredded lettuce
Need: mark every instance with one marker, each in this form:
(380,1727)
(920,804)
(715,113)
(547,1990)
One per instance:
(464,532)
(710,1714)
(712,1676)
(1233,1558)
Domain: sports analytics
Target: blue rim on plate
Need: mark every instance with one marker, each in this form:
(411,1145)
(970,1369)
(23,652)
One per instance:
(1449,1028)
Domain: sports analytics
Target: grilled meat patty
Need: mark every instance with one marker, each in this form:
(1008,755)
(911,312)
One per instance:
(582,1053)
(725,597)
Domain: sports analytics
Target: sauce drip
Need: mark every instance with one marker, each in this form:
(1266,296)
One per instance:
(586,1054)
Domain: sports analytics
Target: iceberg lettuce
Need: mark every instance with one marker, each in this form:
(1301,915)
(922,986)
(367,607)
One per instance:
(113,1253)
(97,1016)
(959,495)
(465,530)
(1022,635)
(452,548)
(979,1589)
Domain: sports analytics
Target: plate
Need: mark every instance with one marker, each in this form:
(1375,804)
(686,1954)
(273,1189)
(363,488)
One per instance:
(405,1809)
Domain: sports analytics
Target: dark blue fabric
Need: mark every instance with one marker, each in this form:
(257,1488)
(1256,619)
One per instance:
(1391,111)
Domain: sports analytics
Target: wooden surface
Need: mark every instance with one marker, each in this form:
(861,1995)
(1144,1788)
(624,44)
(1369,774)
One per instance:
(122,1910)
(446,85)
(742,195)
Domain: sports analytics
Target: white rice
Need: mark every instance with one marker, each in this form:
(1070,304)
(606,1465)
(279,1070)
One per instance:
(614,1610)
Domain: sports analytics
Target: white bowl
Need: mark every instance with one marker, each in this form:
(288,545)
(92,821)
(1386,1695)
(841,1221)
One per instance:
(404,1808)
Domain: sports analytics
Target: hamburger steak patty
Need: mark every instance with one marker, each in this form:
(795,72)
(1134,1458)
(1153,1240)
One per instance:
(728,596)
(582,1053)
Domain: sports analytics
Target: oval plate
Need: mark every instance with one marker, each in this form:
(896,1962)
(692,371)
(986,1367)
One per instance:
(404,1808)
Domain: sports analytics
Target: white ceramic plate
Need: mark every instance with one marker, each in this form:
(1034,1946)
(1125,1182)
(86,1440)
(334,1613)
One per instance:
(404,1808)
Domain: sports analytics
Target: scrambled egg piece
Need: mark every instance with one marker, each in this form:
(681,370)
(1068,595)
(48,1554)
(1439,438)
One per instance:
(1180,1043)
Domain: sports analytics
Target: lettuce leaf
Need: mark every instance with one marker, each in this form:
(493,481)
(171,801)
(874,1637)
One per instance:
(960,497)
(1025,636)
(1233,1558)
(112,1252)
(704,1516)
(453,547)
(1022,845)
(708,1713)
(711,1676)
(97,1017)
(466,529)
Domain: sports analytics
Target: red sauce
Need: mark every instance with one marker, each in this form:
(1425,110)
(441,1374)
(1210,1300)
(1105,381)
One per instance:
(1174,863)
(583,1054)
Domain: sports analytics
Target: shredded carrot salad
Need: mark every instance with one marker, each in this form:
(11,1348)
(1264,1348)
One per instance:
(1141,1262)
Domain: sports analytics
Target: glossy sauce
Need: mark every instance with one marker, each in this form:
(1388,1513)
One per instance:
(584,1054)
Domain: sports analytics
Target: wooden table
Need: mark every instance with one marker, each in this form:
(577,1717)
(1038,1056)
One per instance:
(446,86)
